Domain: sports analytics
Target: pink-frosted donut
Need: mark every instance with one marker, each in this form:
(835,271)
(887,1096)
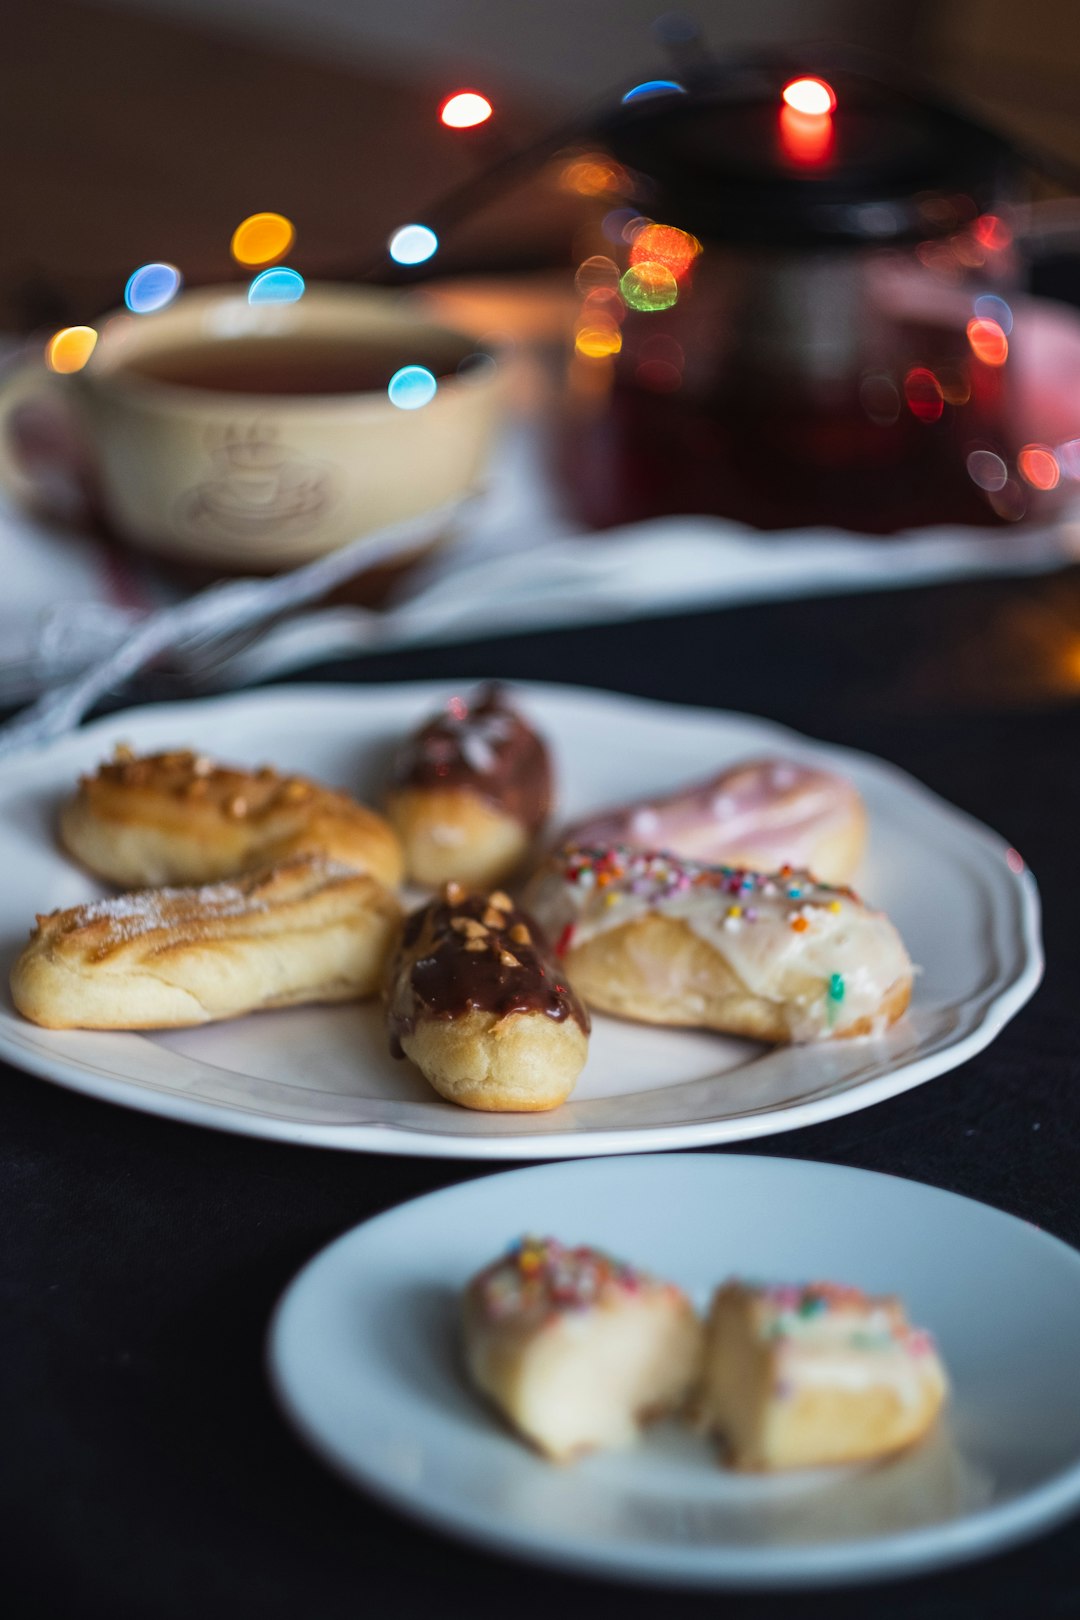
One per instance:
(763,815)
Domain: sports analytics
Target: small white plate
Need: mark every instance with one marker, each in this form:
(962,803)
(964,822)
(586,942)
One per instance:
(364,1356)
(324,1075)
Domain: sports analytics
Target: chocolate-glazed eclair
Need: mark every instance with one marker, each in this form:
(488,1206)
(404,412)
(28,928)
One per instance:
(476,999)
(470,791)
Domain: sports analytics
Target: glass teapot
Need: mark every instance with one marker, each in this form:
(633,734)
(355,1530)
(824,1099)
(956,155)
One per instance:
(794,306)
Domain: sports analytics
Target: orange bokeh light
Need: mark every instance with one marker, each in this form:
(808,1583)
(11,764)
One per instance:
(262,239)
(1039,466)
(598,340)
(70,348)
(810,96)
(465,109)
(666,245)
(593,175)
(988,342)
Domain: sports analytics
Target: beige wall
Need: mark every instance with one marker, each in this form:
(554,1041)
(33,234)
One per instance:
(1019,63)
(571,48)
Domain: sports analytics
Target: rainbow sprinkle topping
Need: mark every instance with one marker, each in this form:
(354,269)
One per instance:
(540,1275)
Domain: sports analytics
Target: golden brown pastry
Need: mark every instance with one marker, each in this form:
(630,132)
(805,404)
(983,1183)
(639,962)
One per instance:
(478,1003)
(306,930)
(469,792)
(181,818)
(578,1350)
(797,1377)
(772,956)
(760,815)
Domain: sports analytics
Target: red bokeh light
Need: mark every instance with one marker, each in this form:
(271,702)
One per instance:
(666,245)
(992,232)
(805,138)
(923,394)
(465,109)
(812,97)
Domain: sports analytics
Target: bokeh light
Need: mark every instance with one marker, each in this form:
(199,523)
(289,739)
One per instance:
(880,398)
(411,388)
(667,245)
(598,340)
(923,394)
(278,286)
(989,307)
(70,348)
(660,361)
(987,469)
(615,223)
(465,110)
(151,287)
(1010,501)
(413,244)
(988,342)
(955,383)
(649,287)
(262,238)
(593,175)
(654,87)
(805,138)
(597,271)
(604,303)
(1038,466)
(810,96)
(992,232)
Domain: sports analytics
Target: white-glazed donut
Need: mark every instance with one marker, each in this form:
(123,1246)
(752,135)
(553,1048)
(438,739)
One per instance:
(773,956)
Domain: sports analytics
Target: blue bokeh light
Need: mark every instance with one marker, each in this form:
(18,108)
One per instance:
(654,87)
(277,286)
(413,244)
(989,307)
(411,388)
(151,287)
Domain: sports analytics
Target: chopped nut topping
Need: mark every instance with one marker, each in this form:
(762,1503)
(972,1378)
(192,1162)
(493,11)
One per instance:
(476,944)
(508,959)
(503,901)
(468,926)
(123,752)
(237,807)
(493,918)
(455,894)
(520,934)
(266,773)
(295,789)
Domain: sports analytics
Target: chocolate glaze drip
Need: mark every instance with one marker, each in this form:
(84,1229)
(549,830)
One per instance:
(508,969)
(483,745)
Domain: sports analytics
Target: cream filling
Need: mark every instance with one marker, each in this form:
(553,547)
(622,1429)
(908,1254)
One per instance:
(857,1371)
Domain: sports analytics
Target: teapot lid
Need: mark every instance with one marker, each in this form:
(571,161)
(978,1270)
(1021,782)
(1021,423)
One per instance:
(724,156)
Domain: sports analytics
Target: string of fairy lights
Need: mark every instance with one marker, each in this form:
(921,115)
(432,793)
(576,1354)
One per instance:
(659,259)
(261,243)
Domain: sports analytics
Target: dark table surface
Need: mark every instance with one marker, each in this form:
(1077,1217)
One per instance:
(146,1471)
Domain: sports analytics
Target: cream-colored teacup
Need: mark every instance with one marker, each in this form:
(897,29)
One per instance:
(209,439)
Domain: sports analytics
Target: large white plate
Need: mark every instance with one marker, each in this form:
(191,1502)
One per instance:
(364,1356)
(324,1075)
